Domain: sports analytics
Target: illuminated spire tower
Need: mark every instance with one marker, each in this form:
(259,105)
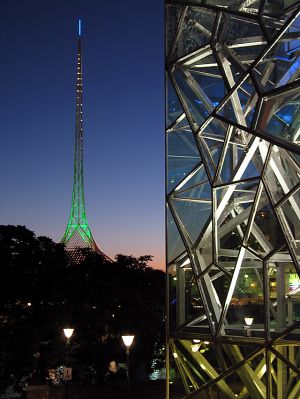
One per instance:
(78,233)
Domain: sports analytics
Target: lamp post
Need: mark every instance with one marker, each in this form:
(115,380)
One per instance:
(68,334)
(247,327)
(127,339)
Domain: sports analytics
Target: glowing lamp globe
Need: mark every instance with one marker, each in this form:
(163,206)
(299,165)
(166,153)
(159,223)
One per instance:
(195,347)
(127,339)
(248,321)
(68,332)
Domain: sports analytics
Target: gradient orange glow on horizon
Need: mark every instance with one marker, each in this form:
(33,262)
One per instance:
(123,120)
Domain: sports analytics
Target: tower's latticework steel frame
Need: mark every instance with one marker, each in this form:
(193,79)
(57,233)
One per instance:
(233,198)
(78,234)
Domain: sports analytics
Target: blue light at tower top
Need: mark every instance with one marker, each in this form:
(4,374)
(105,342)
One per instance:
(79,27)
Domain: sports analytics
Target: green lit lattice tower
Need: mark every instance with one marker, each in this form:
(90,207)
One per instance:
(78,233)
(233,198)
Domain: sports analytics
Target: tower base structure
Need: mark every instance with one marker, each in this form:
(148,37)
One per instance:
(233,199)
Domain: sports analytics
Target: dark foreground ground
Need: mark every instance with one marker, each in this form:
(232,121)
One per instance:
(142,390)
(145,390)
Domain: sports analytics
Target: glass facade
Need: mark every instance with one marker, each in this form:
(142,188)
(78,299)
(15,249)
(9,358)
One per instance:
(233,198)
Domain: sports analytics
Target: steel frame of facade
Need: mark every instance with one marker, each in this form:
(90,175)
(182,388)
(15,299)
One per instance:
(233,203)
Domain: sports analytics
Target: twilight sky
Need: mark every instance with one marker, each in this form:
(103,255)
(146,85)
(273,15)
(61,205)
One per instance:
(123,118)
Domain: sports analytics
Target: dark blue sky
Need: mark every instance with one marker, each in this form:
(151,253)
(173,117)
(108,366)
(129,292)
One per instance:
(123,119)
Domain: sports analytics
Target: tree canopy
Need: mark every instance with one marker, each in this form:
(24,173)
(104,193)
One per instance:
(42,292)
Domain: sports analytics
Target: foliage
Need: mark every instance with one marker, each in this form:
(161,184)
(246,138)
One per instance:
(41,292)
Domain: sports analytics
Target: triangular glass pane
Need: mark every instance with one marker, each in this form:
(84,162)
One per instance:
(182,122)
(210,299)
(193,302)
(177,380)
(235,199)
(274,15)
(196,177)
(281,174)
(173,13)
(240,106)
(215,149)
(199,191)
(221,283)
(181,144)
(228,262)
(214,129)
(273,284)
(242,380)
(178,169)
(255,242)
(282,58)
(285,371)
(249,379)
(266,231)
(230,234)
(196,35)
(185,303)
(251,7)
(175,245)
(206,254)
(201,85)
(200,360)
(235,355)
(292,333)
(236,163)
(211,82)
(247,298)
(193,105)
(194,215)
(274,8)
(279,116)
(244,37)
(172,287)
(183,155)
(174,109)
(211,150)
(191,376)
(288,214)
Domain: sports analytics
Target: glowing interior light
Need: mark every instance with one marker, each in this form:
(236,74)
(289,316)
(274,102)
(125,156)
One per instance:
(79,27)
(68,332)
(127,339)
(175,355)
(248,320)
(196,341)
(206,342)
(195,347)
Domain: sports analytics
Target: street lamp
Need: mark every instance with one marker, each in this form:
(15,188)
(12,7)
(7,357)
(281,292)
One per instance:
(247,327)
(127,339)
(68,334)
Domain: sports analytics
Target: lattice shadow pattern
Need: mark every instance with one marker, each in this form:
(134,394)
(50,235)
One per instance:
(233,198)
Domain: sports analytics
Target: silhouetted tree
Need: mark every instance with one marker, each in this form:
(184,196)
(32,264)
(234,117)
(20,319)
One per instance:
(41,293)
